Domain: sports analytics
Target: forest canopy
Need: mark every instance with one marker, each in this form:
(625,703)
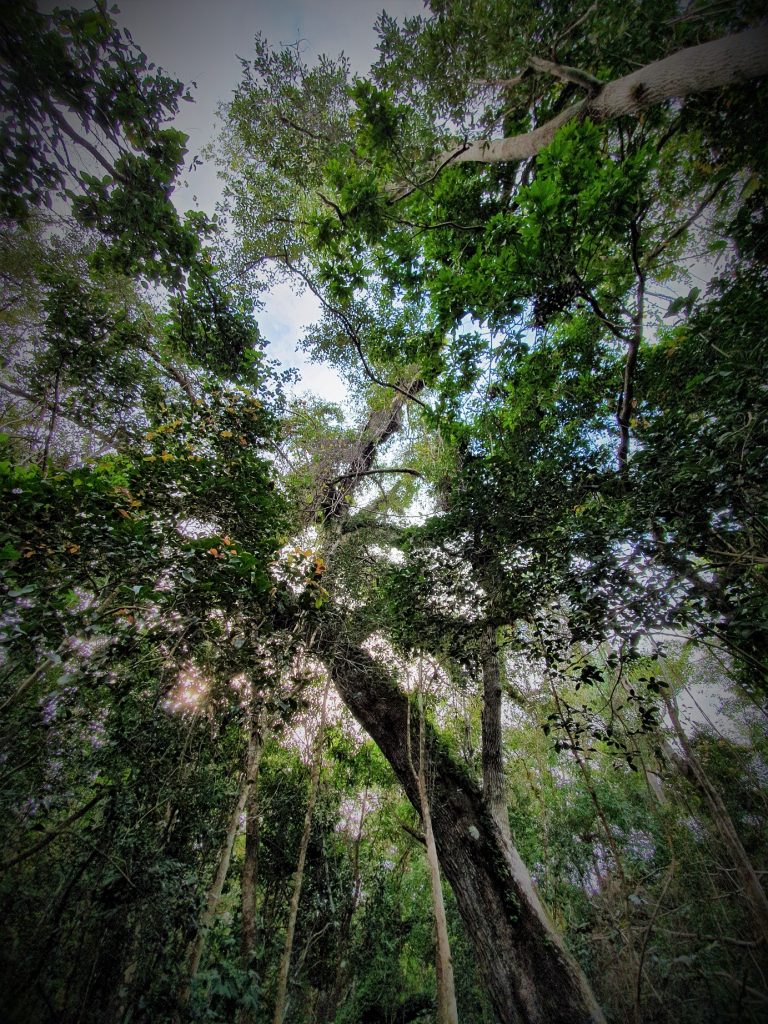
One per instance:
(446,703)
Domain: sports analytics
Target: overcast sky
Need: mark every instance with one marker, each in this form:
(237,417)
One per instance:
(200,41)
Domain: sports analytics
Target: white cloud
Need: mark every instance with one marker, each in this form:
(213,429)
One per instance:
(283,322)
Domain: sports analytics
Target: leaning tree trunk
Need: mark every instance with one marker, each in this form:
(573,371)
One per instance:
(530,976)
(531,979)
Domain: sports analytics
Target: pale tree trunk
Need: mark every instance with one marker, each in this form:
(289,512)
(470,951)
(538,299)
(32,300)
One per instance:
(494,781)
(715,65)
(530,977)
(446,993)
(208,915)
(692,768)
(298,878)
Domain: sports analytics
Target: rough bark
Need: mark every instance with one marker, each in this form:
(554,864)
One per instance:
(298,878)
(715,65)
(530,977)
(692,768)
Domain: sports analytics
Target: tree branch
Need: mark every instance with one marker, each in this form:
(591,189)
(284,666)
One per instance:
(627,404)
(353,336)
(370,472)
(714,65)
(567,74)
(64,125)
(45,403)
(685,224)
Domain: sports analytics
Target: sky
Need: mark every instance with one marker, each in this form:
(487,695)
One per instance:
(201,41)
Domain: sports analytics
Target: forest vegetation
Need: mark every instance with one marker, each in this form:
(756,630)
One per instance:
(446,703)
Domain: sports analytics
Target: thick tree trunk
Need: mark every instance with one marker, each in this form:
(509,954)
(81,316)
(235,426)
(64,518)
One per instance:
(298,878)
(530,977)
(692,768)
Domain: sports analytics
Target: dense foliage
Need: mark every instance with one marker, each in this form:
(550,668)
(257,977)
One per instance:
(541,517)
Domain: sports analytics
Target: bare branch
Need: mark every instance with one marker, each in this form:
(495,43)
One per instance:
(714,65)
(685,224)
(567,74)
(371,472)
(574,25)
(501,83)
(68,130)
(17,392)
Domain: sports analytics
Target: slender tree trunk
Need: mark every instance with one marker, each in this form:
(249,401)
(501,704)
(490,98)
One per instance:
(298,878)
(329,1008)
(214,895)
(494,780)
(447,1012)
(494,783)
(692,768)
(251,861)
(531,978)
(125,991)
